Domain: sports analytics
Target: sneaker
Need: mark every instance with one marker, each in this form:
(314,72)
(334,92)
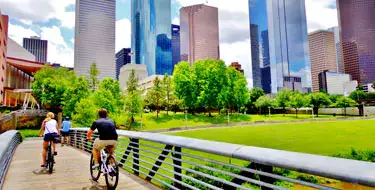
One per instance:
(43,165)
(55,153)
(95,167)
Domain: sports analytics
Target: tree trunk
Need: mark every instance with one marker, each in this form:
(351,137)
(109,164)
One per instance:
(209,112)
(157,112)
(345,111)
(296,113)
(284,111)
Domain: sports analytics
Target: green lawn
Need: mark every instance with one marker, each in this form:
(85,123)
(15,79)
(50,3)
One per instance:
(164,121)
(324,138)
(29,132)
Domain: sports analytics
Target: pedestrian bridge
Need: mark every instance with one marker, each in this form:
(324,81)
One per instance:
(155,161)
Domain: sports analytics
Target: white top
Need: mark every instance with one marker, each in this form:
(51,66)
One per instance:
(50,126)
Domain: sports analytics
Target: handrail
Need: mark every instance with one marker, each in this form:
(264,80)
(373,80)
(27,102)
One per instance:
(352,171)
(9,141)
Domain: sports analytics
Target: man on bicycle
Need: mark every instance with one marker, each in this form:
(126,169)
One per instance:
(107,136)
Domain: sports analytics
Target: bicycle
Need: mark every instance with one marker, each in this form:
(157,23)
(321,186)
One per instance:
(50,160)
(109,168)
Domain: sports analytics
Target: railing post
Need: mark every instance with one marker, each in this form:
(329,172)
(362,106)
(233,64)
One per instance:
(177,170)
(136,156)
(14,120)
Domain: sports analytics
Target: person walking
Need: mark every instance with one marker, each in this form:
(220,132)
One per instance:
(66,124)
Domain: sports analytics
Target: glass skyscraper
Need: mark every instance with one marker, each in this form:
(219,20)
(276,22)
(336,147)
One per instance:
(122,58)
(37,47)
(151,35)
(340,65)
(175,44)
(279,45)
(357,28)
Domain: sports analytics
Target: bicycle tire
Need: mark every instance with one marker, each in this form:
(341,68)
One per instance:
(93,176)
(107,175)
(50,161)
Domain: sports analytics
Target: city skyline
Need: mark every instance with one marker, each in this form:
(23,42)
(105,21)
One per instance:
(56,27)
(279,45)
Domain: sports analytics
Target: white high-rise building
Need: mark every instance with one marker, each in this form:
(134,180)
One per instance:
(95,37)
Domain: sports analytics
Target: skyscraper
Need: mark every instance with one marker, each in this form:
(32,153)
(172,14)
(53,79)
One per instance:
(357,28)
(37,47)
(279,45)
(322,55)
(199,33)
(95,37)
(151,35)
(340,65)
(175,44)
(122,58)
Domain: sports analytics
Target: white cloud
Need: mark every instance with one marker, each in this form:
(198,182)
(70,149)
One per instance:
(319,15)
(72,40)
(17,33)
(58,50)
(123,34)
(176,21)
(39,10)
(27,22)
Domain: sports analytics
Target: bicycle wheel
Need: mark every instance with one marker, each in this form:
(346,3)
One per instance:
(95,173)
(50,160)
(111,177)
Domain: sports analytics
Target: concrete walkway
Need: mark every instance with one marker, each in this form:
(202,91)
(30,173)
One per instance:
(71,171)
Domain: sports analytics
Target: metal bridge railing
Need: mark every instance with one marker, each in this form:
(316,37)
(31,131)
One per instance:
(8,143)
(174,162)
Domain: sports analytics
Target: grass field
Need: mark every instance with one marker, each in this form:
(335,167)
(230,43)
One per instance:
(29,132)
(164,121)
(324,138)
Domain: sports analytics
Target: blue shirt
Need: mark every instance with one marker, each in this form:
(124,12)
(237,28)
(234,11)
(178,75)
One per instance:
(66,126)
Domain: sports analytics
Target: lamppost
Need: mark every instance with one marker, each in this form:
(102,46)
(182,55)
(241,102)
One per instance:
(363,106)
(269,111)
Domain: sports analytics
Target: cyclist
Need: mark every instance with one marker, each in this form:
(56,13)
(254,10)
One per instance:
(107,135)
(50,128)
(66,124)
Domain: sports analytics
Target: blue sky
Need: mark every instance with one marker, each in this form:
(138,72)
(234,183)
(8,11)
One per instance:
(54,21)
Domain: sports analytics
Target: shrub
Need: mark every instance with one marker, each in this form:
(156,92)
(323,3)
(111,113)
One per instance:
(367,155)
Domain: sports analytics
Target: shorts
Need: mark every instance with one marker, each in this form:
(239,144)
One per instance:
(100,144)
(65,134)
(50,137)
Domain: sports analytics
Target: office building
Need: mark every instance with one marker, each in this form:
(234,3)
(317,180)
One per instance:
(4,21)
(340,66)
(199,33)
(140,72)
(122,58)
(147,83)
(279,44)
(151,35)
(175,44)
(333,82)
(322,55)
(95,37)
(357,28)
(17,51)
(37,47)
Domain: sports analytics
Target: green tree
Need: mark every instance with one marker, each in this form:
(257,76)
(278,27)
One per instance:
(297,101)
(104,99)
(344,102)
(184,87)
(282,99)
(213,82)
(155,96)
(265,102)
(360,87)
(79,89)
(85,112)
(333,98)
(254,95)
(318,100)
(167,86)
(114,87)
(358,95)
(133,103)
(50,84)
(236,93)
(93,76)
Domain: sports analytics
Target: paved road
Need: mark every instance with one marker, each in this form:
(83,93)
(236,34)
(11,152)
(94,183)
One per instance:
(71,171)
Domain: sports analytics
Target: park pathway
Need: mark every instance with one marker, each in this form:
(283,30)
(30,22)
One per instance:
(71,171)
